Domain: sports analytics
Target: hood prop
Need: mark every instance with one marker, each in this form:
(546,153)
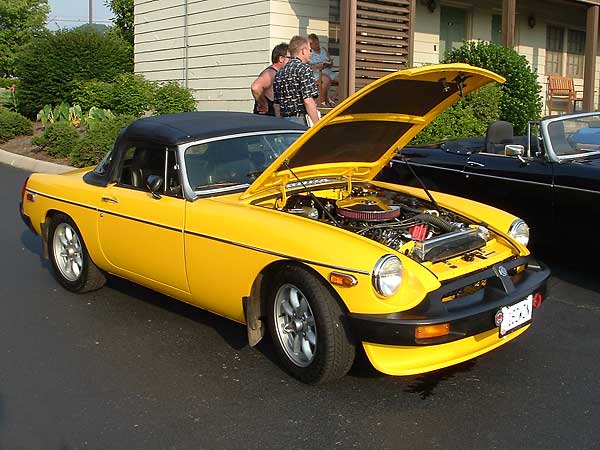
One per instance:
(437,207)
(312,196)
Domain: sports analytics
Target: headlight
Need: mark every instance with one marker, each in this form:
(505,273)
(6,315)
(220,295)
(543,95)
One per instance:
(519,231)
(387,275)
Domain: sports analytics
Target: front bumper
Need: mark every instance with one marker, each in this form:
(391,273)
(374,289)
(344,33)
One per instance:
(390,340)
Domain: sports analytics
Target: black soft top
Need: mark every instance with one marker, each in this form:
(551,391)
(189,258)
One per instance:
(174,129)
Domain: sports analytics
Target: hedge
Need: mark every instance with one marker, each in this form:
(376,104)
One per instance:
(58,140)
(52,66)
(13,124)
(172,98)
(98,140)
(521,99)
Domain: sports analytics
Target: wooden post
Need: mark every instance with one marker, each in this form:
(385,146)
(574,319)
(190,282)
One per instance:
(508,23)
(591,49)
(347,48)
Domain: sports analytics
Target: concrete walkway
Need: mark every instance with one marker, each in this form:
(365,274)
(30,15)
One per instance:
(31,164)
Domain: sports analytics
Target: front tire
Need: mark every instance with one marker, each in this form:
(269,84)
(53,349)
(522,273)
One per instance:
(308,327)
(72,266)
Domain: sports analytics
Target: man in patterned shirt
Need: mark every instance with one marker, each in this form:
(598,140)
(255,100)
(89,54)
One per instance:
(294,85)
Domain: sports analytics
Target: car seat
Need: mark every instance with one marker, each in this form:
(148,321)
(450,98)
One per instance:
(499,134)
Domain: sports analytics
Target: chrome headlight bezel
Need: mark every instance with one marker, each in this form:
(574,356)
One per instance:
(386,278)
(519,231)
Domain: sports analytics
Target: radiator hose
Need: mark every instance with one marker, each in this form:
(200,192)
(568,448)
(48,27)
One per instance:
(438,222)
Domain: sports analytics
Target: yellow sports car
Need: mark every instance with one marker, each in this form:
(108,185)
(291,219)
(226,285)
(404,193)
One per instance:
(286,231)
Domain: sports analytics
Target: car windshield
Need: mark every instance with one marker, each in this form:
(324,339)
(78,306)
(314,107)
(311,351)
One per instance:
(234,161)
(575,137)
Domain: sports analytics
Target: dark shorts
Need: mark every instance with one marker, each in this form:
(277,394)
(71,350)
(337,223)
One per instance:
(270,112)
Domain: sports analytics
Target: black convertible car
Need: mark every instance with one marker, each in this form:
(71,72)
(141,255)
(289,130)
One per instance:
(550,178)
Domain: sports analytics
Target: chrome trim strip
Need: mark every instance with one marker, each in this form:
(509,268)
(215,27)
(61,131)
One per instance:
(94,208)
(509,179)
(193,233)
(281,255)
(429,165)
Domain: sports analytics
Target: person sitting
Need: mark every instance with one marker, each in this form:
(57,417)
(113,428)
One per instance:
(321,63)
(262,87)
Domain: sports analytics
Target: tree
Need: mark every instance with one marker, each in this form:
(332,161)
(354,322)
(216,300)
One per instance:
(20,21)
(123,19)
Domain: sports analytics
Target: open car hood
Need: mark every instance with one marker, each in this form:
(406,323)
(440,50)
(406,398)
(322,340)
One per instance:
(359,136)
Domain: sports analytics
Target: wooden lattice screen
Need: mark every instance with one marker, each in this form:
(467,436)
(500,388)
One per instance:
(382,38)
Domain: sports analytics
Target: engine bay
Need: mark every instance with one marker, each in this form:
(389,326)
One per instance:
(407,224)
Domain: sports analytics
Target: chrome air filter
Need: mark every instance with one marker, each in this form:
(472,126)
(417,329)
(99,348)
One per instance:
(366,209)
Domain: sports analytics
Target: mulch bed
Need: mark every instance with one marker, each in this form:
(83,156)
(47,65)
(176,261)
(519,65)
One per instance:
(21,145)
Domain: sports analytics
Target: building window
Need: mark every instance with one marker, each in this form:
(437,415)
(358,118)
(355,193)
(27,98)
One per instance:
(497,29)
(555,37)
(575,53)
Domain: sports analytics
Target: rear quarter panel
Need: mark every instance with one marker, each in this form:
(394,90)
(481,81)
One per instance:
(69,194)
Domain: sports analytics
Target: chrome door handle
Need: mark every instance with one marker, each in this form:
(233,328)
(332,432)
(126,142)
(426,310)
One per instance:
(110,200)
(475,163)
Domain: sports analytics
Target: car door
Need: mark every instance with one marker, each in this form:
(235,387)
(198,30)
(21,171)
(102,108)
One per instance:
(141,235)
(440,169)
(522,187)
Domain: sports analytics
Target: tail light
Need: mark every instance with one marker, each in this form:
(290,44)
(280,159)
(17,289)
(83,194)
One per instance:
(538,298)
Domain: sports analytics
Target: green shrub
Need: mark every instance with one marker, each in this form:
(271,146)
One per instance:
(94,93)
(6,83)
(58,140)
(173,98)
(13,124)
(97,141)
(521,99)
(468,117)
(55,63)
(132,94)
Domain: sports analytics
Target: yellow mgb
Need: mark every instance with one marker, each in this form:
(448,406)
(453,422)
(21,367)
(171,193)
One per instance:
(288,231)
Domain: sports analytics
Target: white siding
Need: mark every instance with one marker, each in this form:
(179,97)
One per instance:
(229,43)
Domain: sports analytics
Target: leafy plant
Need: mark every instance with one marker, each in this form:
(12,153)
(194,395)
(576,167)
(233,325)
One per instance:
(98,140)
(13,124)
(58,140)
(8,98)
(94,94)
(46,115)
(468,117)
(173,98)
(95,116)
(75,115)
(132,94)
(521,99)
(52,66)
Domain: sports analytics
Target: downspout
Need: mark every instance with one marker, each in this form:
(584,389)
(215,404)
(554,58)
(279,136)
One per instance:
(185,43)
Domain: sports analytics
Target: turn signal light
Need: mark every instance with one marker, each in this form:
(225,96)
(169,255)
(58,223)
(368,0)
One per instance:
(430,331)
(538,298)
(342,279)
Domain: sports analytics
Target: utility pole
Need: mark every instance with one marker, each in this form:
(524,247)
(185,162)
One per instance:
(90,12)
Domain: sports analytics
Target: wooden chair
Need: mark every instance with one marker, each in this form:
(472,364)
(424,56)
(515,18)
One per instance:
(562,89)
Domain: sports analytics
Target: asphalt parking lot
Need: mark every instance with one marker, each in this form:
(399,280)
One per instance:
(127,368)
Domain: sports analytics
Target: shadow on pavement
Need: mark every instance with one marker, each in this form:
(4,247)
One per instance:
(426,384)
(234,334)
(570,266)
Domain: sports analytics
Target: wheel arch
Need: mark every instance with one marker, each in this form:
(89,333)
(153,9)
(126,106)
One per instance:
(255,304)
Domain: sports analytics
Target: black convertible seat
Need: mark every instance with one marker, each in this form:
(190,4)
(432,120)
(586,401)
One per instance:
(498,134)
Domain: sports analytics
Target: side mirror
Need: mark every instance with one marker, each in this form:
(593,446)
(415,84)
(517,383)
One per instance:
(514,150)
(154,184)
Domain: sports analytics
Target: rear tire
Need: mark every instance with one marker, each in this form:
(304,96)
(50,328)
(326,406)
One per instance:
(71,264)
(309,329)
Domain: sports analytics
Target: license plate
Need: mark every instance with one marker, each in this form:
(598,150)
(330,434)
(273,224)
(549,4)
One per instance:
(509,318)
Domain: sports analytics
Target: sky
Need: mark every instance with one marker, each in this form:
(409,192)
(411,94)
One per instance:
(72,13)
